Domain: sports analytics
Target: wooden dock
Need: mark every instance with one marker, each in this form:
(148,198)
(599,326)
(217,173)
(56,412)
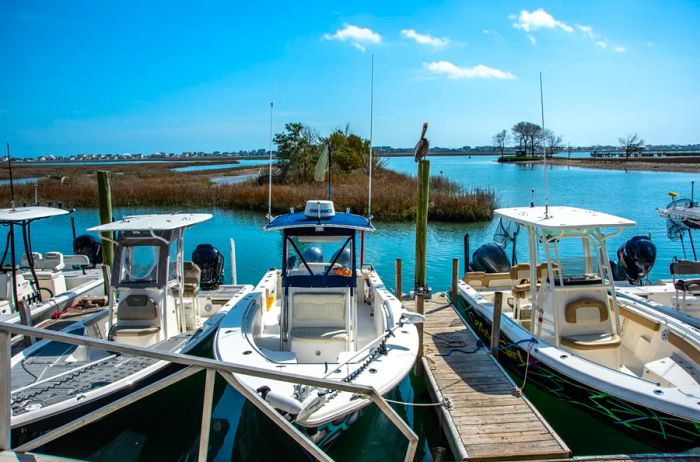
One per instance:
(486,421)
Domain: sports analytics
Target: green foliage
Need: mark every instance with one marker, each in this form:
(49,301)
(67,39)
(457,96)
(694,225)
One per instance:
(348,152)
(297,150)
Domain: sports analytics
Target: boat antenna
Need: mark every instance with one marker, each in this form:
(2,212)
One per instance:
(269,182)
(371,121)
(12,188)
(544,151)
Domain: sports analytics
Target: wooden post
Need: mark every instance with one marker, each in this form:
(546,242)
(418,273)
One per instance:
(104,193)
(496,323)
(399,291)
(455,279)
(422,223)
(421,241)
(5,393)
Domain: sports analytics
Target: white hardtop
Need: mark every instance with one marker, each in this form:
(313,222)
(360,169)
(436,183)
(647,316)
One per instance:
(32,212)
(560,217)
(154,222)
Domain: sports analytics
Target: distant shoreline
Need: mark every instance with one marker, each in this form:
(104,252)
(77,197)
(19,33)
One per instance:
(651,164)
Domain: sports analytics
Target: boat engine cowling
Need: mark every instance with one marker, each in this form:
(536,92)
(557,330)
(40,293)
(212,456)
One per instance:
(211,262)
(636,258)
(90,246)
(490,258)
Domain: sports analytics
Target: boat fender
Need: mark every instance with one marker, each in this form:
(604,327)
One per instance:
(279,401)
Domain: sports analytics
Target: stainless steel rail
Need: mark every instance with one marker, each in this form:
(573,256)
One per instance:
(193,365)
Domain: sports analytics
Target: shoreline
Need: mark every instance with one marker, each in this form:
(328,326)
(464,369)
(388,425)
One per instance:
(675,164)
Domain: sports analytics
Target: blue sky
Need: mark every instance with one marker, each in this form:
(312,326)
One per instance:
(98,76)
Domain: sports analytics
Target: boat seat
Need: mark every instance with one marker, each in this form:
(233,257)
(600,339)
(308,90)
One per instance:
(320,333)
(480,279)
(685,286)
(52,261)
(24,261)
(137,308)
(134,331)
(191,278)
(591,341)
(586,311)
(318,309)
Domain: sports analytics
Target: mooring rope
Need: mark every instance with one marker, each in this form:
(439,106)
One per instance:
(446,403)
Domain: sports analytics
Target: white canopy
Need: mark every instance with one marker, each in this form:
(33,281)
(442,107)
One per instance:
(29,213)
(154,222)
(562,218)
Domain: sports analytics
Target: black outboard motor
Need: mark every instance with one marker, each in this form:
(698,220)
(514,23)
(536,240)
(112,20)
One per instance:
(490,258)
(211,262)
(90,246)
(636,258)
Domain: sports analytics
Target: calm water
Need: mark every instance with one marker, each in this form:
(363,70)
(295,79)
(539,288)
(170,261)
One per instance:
(241,163)
(154,431)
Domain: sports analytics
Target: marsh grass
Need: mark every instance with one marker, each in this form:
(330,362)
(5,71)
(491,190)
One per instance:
(156,185)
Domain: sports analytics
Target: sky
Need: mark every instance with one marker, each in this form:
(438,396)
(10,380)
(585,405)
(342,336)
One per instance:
(85,76)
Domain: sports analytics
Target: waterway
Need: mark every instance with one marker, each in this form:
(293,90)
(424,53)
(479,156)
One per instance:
(166,426)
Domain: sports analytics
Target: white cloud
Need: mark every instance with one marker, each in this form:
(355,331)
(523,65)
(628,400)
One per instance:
(539,19)
(532,39)
(488,31)
(357,36)
(425,39)
(586,30)
(601,44)
(619,49)
(452,71)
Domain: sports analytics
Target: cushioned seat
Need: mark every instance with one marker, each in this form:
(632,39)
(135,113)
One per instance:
(591,341)
(135,331)
(319,333)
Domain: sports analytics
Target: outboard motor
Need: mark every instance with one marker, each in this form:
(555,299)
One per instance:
(211,262)
(490,258)
(636,257)
(90,246)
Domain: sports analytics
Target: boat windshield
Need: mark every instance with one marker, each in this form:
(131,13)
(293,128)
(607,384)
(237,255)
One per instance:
(320,255)
(139,264)
(580,265)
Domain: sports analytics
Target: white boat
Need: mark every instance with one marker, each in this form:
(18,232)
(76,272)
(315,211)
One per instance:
(155,302)
(37,286)
(565,329)
(679,296)
(320,316)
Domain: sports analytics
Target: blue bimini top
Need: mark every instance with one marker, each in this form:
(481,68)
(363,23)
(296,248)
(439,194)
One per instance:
(300,220)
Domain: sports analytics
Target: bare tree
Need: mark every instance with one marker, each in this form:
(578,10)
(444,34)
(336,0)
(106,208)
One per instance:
(553,143)
(526,133)
(500,141)
(632,144)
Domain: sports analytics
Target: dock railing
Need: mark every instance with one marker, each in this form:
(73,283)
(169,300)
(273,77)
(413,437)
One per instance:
(193,364)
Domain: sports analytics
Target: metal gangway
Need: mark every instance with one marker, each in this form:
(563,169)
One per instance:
(192,365)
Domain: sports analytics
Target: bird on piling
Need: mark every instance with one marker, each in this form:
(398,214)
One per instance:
(421,149)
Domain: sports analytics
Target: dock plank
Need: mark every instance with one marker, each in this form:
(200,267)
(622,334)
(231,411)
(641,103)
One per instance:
(487,421)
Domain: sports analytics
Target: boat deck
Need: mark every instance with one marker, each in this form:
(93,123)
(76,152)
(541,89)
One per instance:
(53,376)
(486,422)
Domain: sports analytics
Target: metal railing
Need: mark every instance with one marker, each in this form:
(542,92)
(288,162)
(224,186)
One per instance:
(193,365)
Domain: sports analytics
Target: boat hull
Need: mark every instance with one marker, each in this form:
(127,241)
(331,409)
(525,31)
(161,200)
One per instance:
(662,431)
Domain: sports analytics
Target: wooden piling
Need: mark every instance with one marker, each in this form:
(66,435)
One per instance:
(399,291)
(496,325)
(104,193)
(455,278)
(422,222)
